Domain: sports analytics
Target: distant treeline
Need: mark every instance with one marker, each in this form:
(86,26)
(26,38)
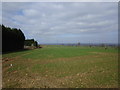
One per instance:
(84,44)
(12,39)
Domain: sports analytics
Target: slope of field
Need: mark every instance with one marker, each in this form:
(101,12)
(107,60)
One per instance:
(61,67)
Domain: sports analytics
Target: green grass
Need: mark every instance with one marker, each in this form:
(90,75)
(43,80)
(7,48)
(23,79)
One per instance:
(62,66)
(58,52)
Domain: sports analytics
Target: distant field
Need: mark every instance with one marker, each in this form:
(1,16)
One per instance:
(61,67)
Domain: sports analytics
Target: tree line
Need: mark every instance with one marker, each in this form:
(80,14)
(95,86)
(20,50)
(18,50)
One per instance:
(12,39)
(31,42)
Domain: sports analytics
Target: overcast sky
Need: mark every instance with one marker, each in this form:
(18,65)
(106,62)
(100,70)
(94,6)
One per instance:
(64,22)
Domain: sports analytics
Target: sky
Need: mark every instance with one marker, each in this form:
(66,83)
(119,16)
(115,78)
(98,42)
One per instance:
(64,22)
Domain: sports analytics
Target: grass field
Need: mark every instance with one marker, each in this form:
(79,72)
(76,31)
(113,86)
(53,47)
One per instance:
(61,67)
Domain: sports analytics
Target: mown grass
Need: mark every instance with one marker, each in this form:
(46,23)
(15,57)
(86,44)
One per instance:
(61,67)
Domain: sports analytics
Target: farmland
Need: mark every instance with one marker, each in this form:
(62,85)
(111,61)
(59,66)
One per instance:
(57,66)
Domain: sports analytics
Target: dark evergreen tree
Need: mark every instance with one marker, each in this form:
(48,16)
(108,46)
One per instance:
(36,43)
(31,42)
(79,44)
(12,39)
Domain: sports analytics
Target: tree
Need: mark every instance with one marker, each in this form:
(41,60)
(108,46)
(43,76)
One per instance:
(36,43)
(79,44)
(31,42)
(12,39)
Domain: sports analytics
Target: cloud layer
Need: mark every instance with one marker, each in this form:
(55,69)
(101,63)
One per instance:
(85,22)
(60,0)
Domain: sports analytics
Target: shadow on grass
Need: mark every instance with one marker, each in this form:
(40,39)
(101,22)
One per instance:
(21,50)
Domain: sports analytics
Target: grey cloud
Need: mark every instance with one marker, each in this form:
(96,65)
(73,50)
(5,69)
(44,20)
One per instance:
(58,21)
